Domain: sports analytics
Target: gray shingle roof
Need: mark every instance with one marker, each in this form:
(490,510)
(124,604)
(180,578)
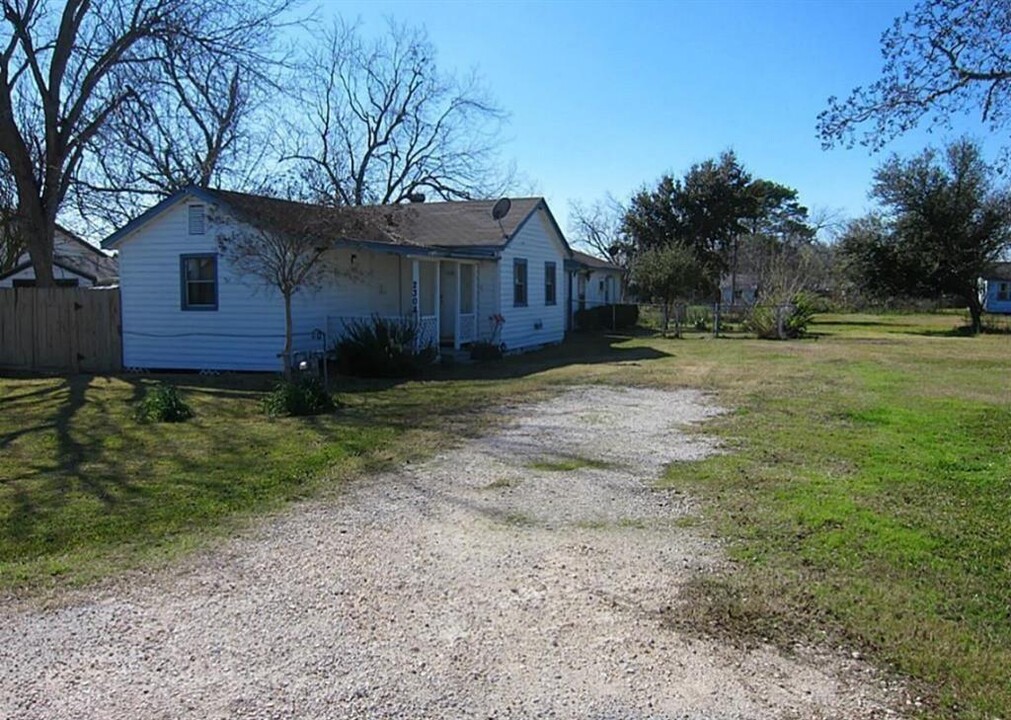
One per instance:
(999,271)
(462,224)
(454,224)
(592,261)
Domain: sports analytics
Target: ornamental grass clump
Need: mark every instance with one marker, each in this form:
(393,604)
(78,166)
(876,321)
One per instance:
(162,403)
(383,347)
(298,397)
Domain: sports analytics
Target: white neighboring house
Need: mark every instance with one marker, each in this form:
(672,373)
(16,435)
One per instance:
(446,265)
(594,281)
(76,263)
(996,284)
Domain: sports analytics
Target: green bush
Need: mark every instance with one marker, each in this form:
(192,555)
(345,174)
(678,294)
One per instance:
(764,319)
(162,403)
(301,396)
(382,347)
(603,316)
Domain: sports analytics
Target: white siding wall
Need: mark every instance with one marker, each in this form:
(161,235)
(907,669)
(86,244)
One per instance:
(246,332)
(537,323)
(487,297)
(991,301)
(373,283)
(595,295)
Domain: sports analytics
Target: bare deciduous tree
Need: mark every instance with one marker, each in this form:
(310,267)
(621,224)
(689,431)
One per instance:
(204,121)
(12,244)
(383,124)
(599,227)
(281,245)
(942,58)
(66,71)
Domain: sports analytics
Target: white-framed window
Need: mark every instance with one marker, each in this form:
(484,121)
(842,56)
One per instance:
(1004,291)
(550,293)
(519,282)
(198,219)
(198,279)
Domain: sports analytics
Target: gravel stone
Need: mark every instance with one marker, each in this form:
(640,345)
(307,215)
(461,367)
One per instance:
(474,585)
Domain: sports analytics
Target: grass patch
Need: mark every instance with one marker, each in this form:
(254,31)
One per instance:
(568,464)
(502,484)
(870,497)
(87,489)
(867,494)
(516,519)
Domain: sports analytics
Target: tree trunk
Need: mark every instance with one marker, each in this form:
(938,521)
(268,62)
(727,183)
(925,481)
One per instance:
(286,358)
(40,231)
(975,313)
(666,317)
(677,319)
(40,251)
(733,272)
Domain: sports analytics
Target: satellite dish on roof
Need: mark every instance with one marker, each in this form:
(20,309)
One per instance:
(501,209)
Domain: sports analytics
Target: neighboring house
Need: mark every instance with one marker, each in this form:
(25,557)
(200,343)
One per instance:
(447,265)
(593,281)
(742,290)
(997,289)
(76,263)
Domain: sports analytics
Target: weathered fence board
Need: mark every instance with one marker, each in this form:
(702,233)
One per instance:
(67,330)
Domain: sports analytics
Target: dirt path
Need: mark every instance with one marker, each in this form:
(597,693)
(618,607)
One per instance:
(522,575)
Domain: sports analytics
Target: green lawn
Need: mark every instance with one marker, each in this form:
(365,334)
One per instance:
(867,493)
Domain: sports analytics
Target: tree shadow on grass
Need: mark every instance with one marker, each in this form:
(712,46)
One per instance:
(580,349)
(964,331)
(64,460)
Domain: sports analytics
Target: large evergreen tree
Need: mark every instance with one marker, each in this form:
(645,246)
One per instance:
(943,222)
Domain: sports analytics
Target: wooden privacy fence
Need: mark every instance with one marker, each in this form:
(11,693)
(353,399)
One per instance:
(65,330)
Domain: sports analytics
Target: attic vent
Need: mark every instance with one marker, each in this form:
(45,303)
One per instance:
(198,219)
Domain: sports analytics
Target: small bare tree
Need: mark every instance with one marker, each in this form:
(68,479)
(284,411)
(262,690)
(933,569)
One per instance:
(599,227)
(65,71)
(382,124)
(282,245)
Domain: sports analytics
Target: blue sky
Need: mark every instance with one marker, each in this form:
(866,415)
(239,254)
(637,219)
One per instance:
(607,96)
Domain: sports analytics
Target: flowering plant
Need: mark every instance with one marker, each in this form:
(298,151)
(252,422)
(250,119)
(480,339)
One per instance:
(496,321)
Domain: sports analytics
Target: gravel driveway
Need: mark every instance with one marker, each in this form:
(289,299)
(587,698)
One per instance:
(521,575)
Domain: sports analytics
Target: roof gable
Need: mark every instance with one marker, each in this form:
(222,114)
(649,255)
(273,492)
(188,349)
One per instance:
(79,272)
(117,237)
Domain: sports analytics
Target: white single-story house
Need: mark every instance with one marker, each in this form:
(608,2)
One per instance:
(594,281)
(461,275)
(76,263)
(997,289)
